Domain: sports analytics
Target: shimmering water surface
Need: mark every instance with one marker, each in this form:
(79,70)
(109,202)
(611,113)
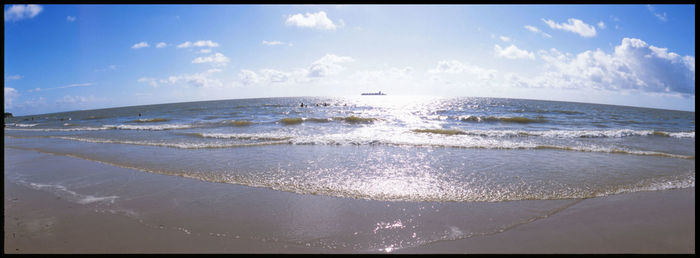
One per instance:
(386,147)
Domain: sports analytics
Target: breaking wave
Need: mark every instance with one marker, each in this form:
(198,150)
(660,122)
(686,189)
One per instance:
(560,133)
(517,119)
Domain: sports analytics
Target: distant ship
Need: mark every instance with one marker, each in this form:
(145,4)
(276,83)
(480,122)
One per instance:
(373,93)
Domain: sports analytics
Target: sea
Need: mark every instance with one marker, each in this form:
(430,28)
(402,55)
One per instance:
(385,148)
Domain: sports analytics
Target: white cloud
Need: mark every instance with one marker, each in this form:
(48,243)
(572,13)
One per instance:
(70,18)
(67,99)
(205,51)
(109,67)
(601,25)
(457,67)
(207,43)
(386,76)
(504,38)
(271,43)
(512,52)
(13,77)
(269,76)
(19,12)
(34,102)
(536,30)
(75,85)
(317,20)
(274,75)
(199,80)
(141,44)
(161,45)
(634,65)
(661,17)
(200,43)
(453,75)
(274,43)
(63,87)
(215,59)
(248,77)
(324,67)
(10,95)
(151,81)
(328,65)
(573,25)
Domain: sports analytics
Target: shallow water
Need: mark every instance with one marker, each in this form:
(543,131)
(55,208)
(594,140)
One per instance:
(386,147)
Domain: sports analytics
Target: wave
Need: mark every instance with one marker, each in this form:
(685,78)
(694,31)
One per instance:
(109,127)
(440,131)
(263,137)
(560,133)
(614,150)
(94,117)
(516,119)
(348,119)
(291,121)
(178,145)
(470,143)
(153,127)
(22,125)
(64,129)
(237,122)
(150,120)
(356,119)
(318,120)
(543,111)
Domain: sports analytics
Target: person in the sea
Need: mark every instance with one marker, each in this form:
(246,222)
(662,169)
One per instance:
(139,114)
(302,104)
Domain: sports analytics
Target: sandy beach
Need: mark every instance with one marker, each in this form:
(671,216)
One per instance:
(61,204)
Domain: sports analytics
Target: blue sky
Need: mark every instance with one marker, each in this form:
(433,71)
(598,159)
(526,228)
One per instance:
(70,57)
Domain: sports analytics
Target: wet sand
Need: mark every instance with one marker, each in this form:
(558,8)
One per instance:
(59,204)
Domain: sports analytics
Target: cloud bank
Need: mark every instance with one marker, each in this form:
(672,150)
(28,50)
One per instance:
(634,65)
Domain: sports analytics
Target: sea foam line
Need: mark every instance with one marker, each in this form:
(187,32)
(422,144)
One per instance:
(397,141)
(619,133)
(172,145)
(62,191)
(109,127)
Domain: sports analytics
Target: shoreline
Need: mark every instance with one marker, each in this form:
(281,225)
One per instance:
(59,204)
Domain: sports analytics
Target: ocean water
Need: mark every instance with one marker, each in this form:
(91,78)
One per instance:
(387,148)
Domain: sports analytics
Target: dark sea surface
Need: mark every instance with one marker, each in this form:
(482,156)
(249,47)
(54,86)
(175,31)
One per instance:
(385,147)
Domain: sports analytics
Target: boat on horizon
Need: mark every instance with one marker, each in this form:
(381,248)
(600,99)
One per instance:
(373,93)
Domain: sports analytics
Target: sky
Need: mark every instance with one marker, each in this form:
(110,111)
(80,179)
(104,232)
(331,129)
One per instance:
(76,57)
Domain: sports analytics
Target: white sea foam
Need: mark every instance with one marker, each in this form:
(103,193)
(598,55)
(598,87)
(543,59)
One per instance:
(104,127)
(260,136)
(25,125)
(179,145)
(109,127)
(72,196)
(364,138)
(153,127)
(618,133)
